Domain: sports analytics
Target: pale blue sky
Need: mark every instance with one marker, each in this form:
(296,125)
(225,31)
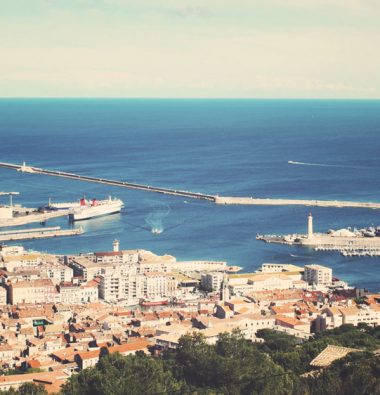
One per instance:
(174,48)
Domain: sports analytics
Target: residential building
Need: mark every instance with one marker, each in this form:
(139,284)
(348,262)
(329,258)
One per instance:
(34,291)
(212,281)
(318,275)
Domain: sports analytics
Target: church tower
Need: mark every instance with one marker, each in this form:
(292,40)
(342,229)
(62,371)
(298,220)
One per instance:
(225,289)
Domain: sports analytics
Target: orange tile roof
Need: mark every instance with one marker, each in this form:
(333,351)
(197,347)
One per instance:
(290,321)
(128,347)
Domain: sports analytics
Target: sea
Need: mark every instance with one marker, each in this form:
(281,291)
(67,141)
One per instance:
(225,147)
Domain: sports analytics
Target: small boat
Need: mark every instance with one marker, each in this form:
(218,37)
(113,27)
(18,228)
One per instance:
(156,231)
(154,302)
(233,269)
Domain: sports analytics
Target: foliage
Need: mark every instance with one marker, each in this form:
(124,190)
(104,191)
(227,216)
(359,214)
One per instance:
(27,389)
(118,375)
(235,366)
(10,372)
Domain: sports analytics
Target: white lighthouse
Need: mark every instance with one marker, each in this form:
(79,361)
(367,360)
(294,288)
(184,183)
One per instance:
(116,245)
(310,226)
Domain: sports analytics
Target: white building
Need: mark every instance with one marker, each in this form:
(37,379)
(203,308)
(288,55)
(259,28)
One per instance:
(199,266)
(11,250)
(339,315)
(35,291)
(118,257)
(74,294)
(117,284)
(86,268)
(318,275)
(56,272)
(279,267)
(11,262)
(212,281)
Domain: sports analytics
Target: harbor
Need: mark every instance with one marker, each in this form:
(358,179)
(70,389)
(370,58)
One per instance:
(347,241)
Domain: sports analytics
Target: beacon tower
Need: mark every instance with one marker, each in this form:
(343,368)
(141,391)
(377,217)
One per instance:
(310,226)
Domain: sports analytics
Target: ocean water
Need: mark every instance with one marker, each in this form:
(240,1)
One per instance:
(226,147)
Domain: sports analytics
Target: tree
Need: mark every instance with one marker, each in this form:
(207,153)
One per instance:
(118,375)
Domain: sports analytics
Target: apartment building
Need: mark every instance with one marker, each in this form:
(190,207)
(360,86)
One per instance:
(318,275)
(34,291)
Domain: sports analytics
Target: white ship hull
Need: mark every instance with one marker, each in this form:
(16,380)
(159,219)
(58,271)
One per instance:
(107,207)
(63,206)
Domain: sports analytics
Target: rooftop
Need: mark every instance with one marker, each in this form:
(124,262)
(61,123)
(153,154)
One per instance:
(331,354)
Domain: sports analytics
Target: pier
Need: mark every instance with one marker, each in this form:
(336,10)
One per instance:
(33,216)
(167,191)
(38,233)
(221,200)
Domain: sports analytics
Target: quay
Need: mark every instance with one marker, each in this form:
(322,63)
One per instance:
(34,216)
(18,231)
(221,200)
(39,233)
(363,242)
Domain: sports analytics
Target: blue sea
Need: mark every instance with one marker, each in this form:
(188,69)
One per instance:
(225,147)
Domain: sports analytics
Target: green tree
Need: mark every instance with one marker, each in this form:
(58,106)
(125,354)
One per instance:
(118,375)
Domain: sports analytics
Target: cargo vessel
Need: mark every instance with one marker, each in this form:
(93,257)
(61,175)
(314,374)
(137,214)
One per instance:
(96,208)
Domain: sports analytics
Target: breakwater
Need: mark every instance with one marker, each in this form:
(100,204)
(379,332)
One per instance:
(123,184)
(299,202)
(221,200)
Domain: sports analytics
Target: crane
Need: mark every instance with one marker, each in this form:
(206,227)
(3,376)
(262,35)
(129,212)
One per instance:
(10,194)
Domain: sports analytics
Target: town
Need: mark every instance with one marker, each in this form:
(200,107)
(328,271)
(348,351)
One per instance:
(59,312)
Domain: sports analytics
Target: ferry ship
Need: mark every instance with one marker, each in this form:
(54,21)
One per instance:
(96,208)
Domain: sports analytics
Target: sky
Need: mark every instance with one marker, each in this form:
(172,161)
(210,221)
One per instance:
(190,49)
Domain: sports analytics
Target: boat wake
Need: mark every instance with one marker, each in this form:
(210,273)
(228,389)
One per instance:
(301,256)
(155,218)
(292,162)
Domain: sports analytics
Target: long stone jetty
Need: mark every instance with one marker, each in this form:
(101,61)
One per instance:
(124,184)
(297,202)
(222,200)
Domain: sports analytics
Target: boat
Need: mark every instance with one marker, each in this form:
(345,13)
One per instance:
(96,208)
(233,269)
(156,231)
(154,302)
(67,205)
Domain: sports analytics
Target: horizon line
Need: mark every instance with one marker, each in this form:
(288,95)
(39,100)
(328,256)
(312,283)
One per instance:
(179,98)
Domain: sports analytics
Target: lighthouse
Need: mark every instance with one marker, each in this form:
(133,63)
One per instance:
(116,245)
(310,226)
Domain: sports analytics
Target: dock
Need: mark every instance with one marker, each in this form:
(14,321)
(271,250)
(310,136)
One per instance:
(220,200)
(38,233)
(32,217)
